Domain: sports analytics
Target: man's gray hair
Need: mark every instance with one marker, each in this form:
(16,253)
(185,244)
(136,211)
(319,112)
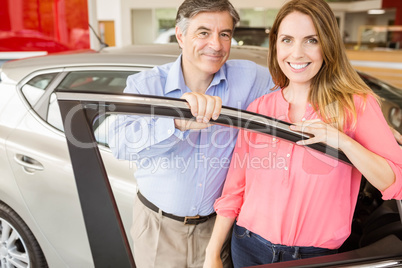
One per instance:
(190,8)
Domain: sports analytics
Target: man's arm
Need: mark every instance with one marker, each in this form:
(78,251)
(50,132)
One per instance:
(133,137)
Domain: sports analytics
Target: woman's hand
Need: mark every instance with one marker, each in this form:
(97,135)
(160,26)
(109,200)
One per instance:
(322,133)
(213,262)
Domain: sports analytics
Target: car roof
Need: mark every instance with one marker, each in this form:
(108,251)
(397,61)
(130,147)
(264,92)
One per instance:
(131,56)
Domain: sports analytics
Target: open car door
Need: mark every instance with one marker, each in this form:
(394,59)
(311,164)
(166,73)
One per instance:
(109,244)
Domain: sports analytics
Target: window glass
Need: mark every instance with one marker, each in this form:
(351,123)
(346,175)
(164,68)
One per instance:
(35,88)
(95,81)
(101,125)
(101,128)
(89,81)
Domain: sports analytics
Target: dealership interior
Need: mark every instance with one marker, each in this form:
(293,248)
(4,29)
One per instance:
(68,61)
(371,29)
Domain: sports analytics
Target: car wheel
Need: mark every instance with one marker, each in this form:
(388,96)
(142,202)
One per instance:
(18,246)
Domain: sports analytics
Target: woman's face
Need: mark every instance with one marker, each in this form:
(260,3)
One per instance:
(298,50)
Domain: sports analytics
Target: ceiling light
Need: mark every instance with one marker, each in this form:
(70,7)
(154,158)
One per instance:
(376,11)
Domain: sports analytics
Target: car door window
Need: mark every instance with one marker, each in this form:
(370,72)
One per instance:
(88,81)
(35,87)
(95,81)
(101,129)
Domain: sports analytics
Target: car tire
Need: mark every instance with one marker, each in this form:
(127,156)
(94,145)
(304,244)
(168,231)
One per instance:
(18,246)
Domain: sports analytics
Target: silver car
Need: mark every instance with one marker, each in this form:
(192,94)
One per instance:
(38,196)
(41,220)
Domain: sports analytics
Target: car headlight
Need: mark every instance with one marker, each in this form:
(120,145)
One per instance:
(395,116)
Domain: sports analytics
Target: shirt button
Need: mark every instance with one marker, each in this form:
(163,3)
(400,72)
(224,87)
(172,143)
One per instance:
(169,131)
(303,119)
(274,139)
(286,168)
(200,185)
(288,155)
(148,149)
(193,208)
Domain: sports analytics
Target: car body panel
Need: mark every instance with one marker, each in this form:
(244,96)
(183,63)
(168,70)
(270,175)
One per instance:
(51,192)
(10,192)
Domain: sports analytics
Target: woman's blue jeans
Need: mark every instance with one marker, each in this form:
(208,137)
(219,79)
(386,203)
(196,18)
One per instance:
(250,249)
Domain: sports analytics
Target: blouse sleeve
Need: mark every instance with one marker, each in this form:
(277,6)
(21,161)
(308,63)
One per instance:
(231,201)
(229,204)
(373,132)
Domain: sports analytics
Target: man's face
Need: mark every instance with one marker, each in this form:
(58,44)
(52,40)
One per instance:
(206,44)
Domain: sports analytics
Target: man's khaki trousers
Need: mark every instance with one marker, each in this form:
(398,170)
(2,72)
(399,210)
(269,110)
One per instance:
(163,242)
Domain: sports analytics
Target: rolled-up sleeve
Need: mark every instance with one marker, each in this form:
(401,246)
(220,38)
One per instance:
(229,204)
(373,132)
(132,136)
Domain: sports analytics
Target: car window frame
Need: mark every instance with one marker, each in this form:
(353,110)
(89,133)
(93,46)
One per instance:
(37,107)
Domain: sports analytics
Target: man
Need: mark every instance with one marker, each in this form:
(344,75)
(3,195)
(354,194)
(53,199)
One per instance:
(181,165)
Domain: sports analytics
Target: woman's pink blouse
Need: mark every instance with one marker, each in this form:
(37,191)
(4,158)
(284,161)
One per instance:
(293,195)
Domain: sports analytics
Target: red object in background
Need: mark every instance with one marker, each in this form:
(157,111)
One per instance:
(396,36)
(44,25)
(397,4)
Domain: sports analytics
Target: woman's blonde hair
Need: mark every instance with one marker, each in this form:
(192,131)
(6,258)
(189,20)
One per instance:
(333,87)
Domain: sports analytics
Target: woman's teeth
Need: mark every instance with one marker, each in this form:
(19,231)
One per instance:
(298,66)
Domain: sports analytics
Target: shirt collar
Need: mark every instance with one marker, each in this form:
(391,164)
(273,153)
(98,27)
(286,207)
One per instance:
(175,78)
(219,77)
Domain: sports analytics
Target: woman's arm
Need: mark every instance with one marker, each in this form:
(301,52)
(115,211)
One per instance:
(397,135)
(228,205)
(374,167)
(373,149)
(213,251)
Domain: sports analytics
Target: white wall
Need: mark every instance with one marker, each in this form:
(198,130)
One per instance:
(107,10)
(143,26)
(93,21)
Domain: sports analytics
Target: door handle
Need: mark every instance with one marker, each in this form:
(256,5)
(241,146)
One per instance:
(29,164)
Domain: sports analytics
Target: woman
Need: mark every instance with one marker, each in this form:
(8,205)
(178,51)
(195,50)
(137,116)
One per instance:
(290,202)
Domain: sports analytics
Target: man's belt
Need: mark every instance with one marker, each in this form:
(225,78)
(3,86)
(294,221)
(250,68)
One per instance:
(186,220)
